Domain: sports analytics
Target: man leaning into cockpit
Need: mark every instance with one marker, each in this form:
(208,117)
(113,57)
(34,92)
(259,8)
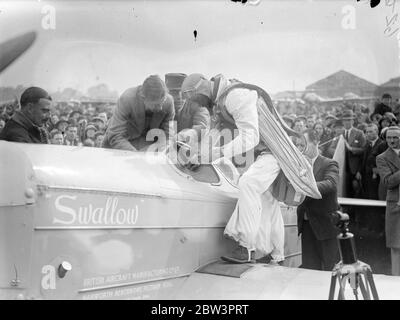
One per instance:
(139,110)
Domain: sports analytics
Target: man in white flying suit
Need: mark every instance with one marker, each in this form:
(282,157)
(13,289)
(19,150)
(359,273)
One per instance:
(256,223)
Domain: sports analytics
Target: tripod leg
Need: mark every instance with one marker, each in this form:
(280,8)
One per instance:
(332,287)
(371,282)
(342,286)
(367,284)
(364,292)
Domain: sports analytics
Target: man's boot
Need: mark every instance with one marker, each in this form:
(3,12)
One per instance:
(240,255)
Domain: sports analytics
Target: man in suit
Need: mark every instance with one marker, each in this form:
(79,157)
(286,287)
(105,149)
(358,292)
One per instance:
(384,106)
(355,143)
(388,164)
(368,173)
(371,218)
(28,124)
(316,218)
(140,110)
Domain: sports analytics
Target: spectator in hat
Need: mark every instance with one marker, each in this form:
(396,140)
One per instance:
(62,125)
(192,119)
(384,105)
(74,116)
(392,118)
(57,137)
(90,132)
(355,142)
(99,123)
(330,148)
(98,139)
(71,136)
(375,118)
(329,119)
(385,122)
(28,124)
(103,116)
(141,109)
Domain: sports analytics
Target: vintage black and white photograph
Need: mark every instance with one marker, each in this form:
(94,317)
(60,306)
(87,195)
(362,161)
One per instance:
(200,150)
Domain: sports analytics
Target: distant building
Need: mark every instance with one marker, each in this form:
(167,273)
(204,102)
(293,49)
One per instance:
(342,83)
(392,87)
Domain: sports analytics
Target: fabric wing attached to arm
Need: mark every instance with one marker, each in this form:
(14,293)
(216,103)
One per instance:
(242,106)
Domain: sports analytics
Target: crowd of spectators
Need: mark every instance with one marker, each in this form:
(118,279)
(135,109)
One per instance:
(363,128)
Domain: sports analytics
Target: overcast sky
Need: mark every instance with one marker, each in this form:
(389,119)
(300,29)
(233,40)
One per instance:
(275,44)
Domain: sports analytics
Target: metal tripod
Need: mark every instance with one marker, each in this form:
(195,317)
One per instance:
(349,269)
(353,273)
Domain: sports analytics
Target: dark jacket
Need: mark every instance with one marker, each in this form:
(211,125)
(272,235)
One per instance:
(388,164)
(381,109)
(20,129)
(320,212)
(354,159)
(371,184)
(193,116)
(130,123)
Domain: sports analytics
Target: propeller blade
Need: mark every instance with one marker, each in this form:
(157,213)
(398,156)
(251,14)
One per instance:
(13,48)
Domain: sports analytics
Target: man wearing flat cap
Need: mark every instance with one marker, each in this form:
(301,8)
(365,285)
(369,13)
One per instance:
(139,110)
(355,142)
(388,164)
(28,124)
(192,119)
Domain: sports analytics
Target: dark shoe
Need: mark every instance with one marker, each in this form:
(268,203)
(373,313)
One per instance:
(266,259)
(240,255)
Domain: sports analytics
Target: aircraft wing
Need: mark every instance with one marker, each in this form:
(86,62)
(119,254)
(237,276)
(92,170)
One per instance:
(266,282)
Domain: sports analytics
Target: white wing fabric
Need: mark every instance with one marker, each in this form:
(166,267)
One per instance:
(292,162)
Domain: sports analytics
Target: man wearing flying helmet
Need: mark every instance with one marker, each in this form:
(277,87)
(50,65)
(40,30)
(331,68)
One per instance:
(247,110)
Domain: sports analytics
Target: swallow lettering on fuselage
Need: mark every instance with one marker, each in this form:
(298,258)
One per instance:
(108,214)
